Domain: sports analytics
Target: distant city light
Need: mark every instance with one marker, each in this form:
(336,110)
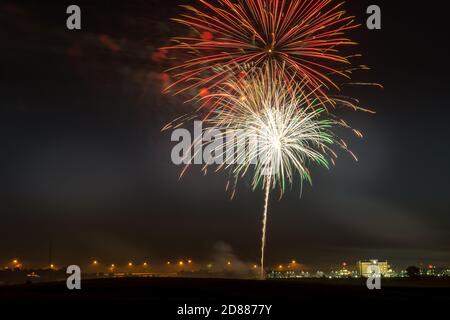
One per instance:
(279,271)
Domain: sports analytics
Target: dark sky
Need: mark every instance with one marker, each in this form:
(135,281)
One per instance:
(84,162)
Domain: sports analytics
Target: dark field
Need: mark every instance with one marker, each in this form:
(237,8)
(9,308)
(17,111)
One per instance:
(165,295)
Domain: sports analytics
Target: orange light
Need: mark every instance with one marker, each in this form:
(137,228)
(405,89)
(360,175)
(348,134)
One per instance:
(207,36)
(293,262)
(145,264)
(95,262)
(168,262)
(181,263)
(189,261)
(15,261)
(164,77)
(130,264)
(203,92)
(229,263)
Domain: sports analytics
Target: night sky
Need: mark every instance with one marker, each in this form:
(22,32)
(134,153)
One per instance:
(84,163)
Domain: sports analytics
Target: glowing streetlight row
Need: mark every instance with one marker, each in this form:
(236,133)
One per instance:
(182,263)
(290,265)
(130,264)
(293,263)
(145,263)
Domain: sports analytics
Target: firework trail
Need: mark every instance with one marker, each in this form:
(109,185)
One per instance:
(264,226)
(304,35)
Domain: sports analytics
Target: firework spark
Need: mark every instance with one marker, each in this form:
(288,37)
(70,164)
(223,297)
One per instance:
(303,35)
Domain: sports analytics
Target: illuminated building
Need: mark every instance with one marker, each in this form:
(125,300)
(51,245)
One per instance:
(344,273)
(364,270)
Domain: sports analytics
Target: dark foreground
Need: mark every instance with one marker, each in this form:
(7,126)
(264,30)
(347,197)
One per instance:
(163,296)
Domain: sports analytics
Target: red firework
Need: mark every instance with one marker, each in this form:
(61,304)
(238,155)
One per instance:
(303,37)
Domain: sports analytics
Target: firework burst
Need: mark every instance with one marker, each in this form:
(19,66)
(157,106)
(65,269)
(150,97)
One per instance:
(284,131)
(305,36)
